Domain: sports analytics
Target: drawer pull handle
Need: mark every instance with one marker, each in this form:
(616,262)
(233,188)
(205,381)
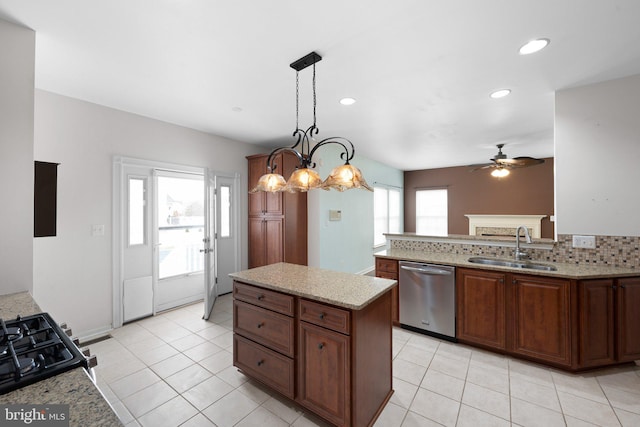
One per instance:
(321,346)
(260,297)
(260,362)
(260,325)
(322,316)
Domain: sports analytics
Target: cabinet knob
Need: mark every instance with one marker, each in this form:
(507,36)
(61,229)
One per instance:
(260,297)
(514,281)
(260,362)
(260,325)
(501,281)
(622,286)
(322,316)
(321,346)
(613,287)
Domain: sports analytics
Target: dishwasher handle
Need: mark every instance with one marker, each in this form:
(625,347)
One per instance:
(431,271)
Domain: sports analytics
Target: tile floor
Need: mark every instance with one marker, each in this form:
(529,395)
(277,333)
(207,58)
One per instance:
(175,369)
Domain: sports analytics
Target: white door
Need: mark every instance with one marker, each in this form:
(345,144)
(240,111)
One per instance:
(137,243)
(227,230)
(209,245)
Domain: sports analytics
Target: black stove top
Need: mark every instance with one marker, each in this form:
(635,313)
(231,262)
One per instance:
(33,348)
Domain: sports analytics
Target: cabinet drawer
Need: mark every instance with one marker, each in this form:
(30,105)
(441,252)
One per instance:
(323,315)
(269,367)
(264,298)
(385,275)
(387,265)
(273,330)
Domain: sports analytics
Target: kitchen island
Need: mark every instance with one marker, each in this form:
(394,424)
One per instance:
(87,405)
(319,337)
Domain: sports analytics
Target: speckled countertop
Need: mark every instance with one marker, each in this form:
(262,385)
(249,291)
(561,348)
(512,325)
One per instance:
(87,405)
(569,271)
(353,291)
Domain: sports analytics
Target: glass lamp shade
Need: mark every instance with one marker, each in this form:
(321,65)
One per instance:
(500,172)
(270,182)
(345,177)
(303,179)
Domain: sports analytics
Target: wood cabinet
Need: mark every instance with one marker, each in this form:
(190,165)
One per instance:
(628,319)
(609,321)
(518,314)
(387,268)
(277,221)
(339,366)
(540,318)
(480,307)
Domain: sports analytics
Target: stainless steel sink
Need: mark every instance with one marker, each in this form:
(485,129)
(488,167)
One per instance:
(512,263)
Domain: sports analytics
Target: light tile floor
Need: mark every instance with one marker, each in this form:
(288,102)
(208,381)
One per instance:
(175,369)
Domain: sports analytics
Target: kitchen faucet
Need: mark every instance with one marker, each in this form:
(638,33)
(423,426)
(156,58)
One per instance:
(521,254)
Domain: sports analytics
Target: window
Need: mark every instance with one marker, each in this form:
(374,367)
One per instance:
(137,203)
(180,224)
(431,212)
(225,211)
(386,213)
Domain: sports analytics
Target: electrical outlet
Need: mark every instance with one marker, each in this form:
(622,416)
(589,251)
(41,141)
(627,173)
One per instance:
(586,242)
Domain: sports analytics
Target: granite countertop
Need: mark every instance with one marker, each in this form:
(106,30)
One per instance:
(352,291)
(88,407)
(565,270)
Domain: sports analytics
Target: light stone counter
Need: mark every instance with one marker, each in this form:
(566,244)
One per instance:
(353,291)
(569,271)
(87,405)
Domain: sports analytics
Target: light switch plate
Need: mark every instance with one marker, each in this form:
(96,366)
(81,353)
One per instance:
(585,242)
(97,230)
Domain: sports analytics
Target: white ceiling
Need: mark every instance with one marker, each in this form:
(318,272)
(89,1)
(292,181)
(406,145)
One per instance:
(421,70)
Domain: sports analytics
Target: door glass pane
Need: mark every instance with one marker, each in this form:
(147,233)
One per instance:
(180,225)
(225,211)
(136,211)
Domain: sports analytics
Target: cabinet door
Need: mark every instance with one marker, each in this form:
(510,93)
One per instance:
(628,302)
(257,253)
(263,203)
(541,321)
(596,322)
(388,269)
(273,240)
(323,373)
(481,307)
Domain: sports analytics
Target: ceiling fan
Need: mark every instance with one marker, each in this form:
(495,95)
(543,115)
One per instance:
(501,164)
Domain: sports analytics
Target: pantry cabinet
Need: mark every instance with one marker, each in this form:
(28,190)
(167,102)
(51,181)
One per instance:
(277,221)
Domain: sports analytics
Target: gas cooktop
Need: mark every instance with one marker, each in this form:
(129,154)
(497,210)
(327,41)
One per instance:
(33,348)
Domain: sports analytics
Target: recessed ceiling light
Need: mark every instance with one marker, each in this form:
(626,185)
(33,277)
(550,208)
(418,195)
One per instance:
(500,93)
(347,101)
(236,109)
(534,46)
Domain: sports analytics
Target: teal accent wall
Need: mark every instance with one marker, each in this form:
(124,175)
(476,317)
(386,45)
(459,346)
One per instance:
(346,245)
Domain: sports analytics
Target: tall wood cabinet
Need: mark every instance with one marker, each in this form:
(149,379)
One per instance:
(277,221)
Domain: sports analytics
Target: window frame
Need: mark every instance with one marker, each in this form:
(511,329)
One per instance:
(387,189)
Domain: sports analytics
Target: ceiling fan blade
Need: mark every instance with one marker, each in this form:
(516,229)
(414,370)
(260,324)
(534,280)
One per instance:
(482,166)
(520,162)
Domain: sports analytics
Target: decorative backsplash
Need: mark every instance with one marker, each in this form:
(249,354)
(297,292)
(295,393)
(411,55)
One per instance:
(616,251)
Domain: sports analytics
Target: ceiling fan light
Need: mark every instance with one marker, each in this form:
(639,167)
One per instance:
(345,177)
(302,180)
(500,93)
(500,172)
(270,182)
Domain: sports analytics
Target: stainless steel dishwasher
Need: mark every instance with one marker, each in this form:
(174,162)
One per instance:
(428,299)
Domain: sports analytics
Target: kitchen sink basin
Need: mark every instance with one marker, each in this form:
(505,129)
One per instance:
(512,263)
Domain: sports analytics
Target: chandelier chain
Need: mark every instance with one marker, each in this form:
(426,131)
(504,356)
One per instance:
(314,94)
(297,98)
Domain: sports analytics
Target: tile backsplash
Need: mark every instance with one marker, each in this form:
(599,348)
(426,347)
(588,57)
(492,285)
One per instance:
(616,251)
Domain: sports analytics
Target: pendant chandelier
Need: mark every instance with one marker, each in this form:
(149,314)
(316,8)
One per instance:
(304,177)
